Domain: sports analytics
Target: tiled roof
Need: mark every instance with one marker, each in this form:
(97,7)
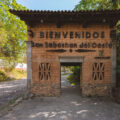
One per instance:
(110,16)
(65,11)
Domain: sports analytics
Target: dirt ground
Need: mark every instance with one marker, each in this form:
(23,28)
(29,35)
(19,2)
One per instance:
(69,106)
(10,90)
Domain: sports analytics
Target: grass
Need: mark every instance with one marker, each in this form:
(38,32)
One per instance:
(12,75)
(18,74)
(73,79)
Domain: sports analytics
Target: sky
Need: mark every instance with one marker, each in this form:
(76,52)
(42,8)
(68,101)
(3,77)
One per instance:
(49,4)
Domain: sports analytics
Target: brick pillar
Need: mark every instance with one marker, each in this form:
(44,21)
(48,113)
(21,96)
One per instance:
(29,65)
(114,63)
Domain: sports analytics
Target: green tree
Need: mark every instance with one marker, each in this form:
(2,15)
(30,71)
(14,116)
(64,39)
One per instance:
(97,4)
(13,32)
(74,77)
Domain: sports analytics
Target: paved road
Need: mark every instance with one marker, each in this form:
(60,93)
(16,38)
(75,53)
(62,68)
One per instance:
(64,82)
(11,89)
(69,106)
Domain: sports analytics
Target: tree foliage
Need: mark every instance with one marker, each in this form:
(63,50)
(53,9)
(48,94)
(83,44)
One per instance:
(97,4)
(13,32)
(74,77)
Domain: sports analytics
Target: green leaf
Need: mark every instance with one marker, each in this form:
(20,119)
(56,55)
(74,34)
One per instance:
(13,32)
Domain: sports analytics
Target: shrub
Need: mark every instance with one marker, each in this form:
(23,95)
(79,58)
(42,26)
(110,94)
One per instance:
(3,77)
(74,78)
